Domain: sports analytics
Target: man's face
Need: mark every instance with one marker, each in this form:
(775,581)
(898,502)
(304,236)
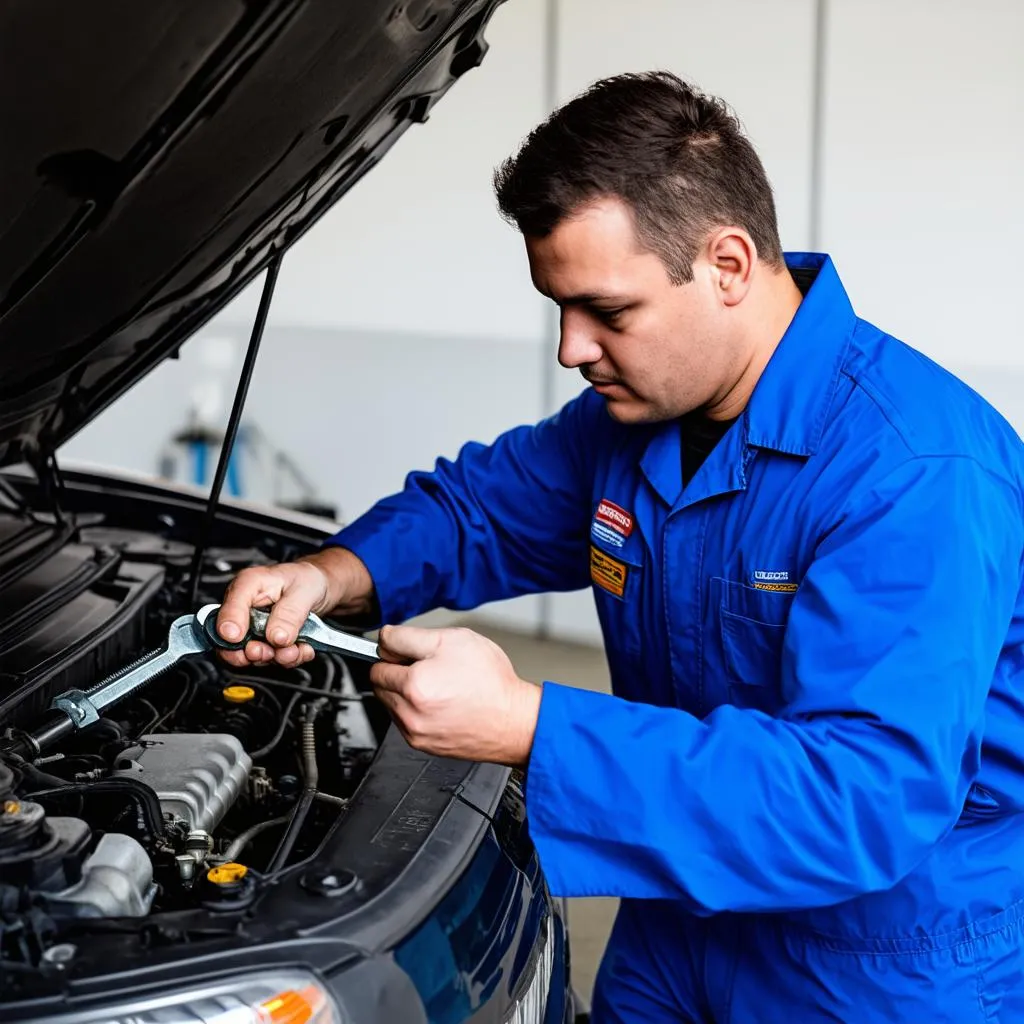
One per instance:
(653,349)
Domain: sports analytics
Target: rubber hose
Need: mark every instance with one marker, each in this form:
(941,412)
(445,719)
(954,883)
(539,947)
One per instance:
(143,797)
(243,839)
(312,777)
(309,750)
(329,798)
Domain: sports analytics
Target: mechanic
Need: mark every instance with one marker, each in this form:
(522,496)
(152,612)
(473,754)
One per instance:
(805,544)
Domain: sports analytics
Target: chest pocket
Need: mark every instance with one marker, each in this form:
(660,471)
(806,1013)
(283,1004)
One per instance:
(750,627)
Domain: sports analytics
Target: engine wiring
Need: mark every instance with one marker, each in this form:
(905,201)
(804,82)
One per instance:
(311,771)
(268,748)
(264,765)
(186,694)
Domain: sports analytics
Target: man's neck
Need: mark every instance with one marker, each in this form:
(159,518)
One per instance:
(772,311)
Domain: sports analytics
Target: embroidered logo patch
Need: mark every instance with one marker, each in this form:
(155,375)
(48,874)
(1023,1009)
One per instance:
(777,581)
(608,573)
(612,523)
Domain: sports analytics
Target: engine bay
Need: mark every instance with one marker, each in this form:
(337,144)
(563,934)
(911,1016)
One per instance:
(192,794)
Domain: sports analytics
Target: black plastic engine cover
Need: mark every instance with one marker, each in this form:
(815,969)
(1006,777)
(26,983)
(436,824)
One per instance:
(68,622)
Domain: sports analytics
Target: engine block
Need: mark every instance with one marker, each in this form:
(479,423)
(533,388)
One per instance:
(196,776)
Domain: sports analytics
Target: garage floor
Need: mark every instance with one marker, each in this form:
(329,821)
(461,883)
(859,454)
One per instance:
(590,920)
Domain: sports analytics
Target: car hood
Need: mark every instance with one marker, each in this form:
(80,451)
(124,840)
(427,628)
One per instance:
(157,155)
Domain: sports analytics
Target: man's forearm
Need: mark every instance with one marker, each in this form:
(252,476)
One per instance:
(351,591)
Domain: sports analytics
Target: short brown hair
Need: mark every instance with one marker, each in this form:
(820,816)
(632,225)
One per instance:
(676,156)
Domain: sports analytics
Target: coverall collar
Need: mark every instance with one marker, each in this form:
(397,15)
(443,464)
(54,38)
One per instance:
(788,410)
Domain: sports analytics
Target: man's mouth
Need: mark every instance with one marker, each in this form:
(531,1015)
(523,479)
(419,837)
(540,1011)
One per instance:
(603,385)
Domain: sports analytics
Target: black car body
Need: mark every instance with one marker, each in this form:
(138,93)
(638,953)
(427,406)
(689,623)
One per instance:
(214,848)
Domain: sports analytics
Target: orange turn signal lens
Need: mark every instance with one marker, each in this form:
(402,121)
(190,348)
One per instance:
(292,1007)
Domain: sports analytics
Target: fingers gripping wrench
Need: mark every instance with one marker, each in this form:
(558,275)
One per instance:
(314,632)
(189,634)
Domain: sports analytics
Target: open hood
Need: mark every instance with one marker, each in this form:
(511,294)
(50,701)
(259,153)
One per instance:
(156,155)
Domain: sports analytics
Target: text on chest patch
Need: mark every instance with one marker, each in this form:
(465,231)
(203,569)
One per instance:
(775,580)
(608,573)
(612,523)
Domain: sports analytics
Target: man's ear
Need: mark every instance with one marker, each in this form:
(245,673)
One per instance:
(732,256)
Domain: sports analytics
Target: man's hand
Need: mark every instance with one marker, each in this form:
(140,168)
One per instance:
(329,580)
(454,693)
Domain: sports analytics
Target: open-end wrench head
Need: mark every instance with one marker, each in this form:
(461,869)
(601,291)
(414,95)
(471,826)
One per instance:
(185,638)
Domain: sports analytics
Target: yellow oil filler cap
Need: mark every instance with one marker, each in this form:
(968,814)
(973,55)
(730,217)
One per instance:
(227,874)
(238,694)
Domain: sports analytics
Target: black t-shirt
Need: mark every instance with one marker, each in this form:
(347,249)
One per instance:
(700,434)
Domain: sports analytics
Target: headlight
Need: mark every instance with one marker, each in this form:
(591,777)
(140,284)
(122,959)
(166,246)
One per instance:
(279,997)
(530,1008)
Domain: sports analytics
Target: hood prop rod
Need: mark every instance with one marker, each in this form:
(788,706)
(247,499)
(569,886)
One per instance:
(231,432)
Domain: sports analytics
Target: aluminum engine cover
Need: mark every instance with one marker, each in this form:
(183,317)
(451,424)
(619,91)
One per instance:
(196,776)
(117,881)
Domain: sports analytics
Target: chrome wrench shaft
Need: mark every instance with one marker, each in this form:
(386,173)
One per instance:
(78,709)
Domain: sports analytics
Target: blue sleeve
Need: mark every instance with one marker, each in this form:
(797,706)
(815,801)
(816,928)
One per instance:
(501,520)
(890,650)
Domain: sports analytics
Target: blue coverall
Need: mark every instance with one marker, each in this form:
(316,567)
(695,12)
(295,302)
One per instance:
(807,787)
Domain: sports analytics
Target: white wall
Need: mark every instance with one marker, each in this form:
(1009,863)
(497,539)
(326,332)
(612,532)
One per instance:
(417,246)
(405,323)
(922,183)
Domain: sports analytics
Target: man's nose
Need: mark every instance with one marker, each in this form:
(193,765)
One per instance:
(577,344)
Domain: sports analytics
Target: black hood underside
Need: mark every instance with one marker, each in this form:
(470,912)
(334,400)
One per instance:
(156,155)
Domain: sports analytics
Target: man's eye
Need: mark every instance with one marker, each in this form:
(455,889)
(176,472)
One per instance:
(609,316)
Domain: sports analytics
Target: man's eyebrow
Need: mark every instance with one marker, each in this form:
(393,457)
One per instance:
(587,299)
